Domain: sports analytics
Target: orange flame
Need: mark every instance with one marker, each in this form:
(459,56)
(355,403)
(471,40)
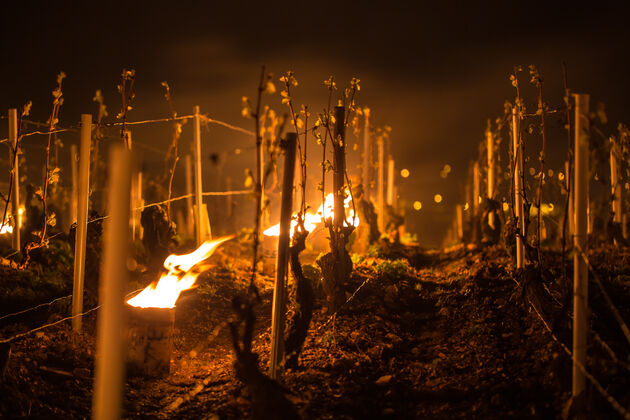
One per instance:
(183,271)
(312,220)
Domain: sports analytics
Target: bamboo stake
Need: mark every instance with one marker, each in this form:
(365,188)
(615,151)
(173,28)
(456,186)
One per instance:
(380,184)
(15,193)
(367,161)
(476,189)
(490,180)
(81,231)
(198,182)
(459,209)
(190,214)
(390,181)
(614,182)
(74,159)
(580,268)
(110,355)
(279,291)
(518,189)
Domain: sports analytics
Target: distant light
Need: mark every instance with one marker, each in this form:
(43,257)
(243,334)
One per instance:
(466,206)
(437,198)
(404,173)
(506,206)
(561,176)
(550,173)
(532,171)
(447,168)
(443,174)
(417,205)
(479,199)
(237,151)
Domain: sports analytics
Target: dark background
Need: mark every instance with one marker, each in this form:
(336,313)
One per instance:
(434,72)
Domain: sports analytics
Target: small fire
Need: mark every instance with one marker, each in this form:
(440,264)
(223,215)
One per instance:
(312,220)
(183,271)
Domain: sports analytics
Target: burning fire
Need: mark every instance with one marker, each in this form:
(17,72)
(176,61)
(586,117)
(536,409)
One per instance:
(312,220)
(183,271)
(7,227)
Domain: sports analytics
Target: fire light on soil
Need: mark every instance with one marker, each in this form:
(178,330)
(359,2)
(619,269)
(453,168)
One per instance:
(183,271)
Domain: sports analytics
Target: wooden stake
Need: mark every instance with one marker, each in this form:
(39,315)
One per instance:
(136,207)
(390,181)
(380,184)
(15,192)
(476,188)
(580,268)
(110,346)
(190,214)
(490,180)
(519,209)
(459,209)
(571,189)
(615,187)
(367,155)
(128,139)
(82,211)
(74,160)
(279,292)
(198,182)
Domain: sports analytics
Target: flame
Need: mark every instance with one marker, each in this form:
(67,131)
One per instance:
(183,271)
(311,220)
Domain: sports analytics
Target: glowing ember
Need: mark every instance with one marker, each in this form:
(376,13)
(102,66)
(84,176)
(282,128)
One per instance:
(312,220)
(183,271)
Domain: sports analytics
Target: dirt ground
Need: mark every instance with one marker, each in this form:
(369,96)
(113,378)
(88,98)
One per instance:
(446,334)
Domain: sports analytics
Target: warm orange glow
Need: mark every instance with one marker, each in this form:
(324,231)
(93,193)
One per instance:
(183,271)
(311,221)
(404,173)
(437,198)
(417,205)
(6,228)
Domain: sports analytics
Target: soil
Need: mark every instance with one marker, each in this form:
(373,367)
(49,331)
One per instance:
(424,334)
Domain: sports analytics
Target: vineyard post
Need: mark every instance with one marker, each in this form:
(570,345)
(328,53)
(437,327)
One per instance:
(128,139)
(367,148)
(198,184)
(110,355)
(468,194)
(518,190)
(614,182)
(279,293)
(136,206)
(476,189)
(380,184)
(81,230)
(490,179)
(390,181)
(15,193)
(580,268)
(571,190)
(190,214)
(74,160)
(459,209)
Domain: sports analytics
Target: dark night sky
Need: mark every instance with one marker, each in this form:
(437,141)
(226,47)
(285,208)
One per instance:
(433,72)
